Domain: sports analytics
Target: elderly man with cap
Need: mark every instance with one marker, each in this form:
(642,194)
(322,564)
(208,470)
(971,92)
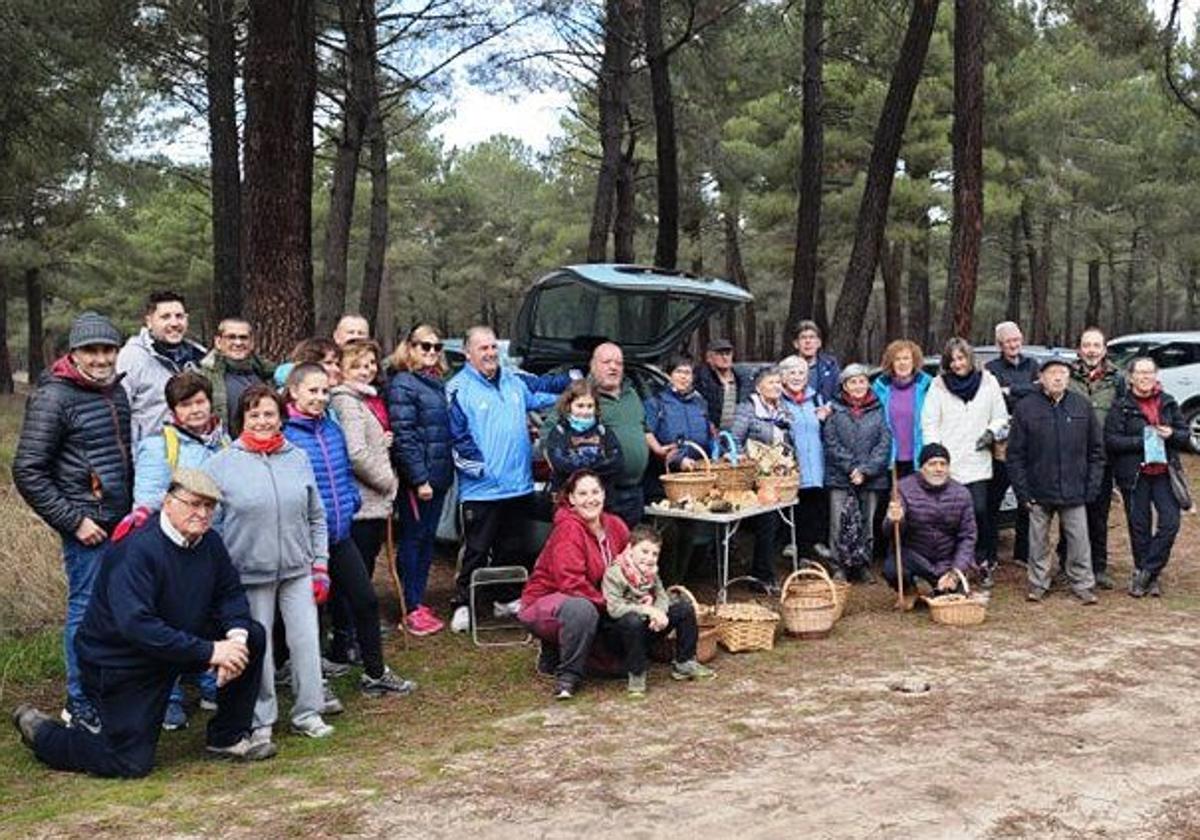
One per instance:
(73,467)
(1055,462)
(937,521)
(721,384)
(167,601)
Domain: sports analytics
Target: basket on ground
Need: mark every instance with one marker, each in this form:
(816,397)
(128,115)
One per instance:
(957,610)
(706,622)
(778,488)
(809,608)
(689,485)
(814,586)
(746,627)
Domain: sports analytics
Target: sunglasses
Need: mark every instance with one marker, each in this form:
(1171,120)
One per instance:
(427,346)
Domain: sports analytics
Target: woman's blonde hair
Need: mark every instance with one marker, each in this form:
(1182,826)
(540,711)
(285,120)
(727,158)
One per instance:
(404,357)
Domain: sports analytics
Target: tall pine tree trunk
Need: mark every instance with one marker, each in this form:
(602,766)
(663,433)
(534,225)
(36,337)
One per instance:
(735,270)
(1114,321)
(812,151)
(377,240)
(666,247)
(1041,297)
(918,284)
(1126,322)
(1160,298)
(1012,311)
(220,79)
(1193,293)
(872,212)
(891,266)
(624,222)
(34,295)
(280,88)
(613,88)
(1091,316)
(967,138)
(6,366)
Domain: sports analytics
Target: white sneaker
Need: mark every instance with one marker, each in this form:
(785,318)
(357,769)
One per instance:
(261,735)
(312,727)
(508,610)
(461,622)
(330,705)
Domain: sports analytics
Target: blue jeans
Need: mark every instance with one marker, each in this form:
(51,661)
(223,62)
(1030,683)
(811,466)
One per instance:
(414,551)
(206,680)
(81,563)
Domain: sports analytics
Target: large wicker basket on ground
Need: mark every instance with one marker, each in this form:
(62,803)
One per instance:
(957,610)
(689,485)
(746,627)
(810,608)
(706,621)
(816,587)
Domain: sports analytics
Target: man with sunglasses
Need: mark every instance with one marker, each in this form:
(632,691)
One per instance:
(167,601)
(232,366)
(720,383)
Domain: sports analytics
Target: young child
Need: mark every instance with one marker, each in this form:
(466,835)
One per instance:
(579,440)
(638,604)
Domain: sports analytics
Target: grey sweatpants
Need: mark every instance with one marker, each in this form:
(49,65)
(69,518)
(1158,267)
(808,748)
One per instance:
(1078,564)
(299,612)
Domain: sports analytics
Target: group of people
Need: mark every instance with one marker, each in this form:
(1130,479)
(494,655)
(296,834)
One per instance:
(215,509)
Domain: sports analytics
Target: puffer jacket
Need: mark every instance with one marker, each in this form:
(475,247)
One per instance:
(1123,429)
(1101,392)
(573,561)
(596,449)
(368,452)
(322,441)
(863,443)
(73,456)
(271,517)
(146,374)
(882,387)
(939,523)
(420,415)
(152,469)
(1055,451)
(672,417)
(806,438)
(958,425)
(751,422)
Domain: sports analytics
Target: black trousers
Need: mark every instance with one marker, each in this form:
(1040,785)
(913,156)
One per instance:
(368,535)
(491,536)
(915,566)
(349,576)
(812,516)
(635,635)
(985,548)
(996,489)
(629,503)
(132,703)
(1151,548)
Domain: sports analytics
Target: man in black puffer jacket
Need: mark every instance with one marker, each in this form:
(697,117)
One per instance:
(73,467)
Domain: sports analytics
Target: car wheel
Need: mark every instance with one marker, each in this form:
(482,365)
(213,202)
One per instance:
(1193,423)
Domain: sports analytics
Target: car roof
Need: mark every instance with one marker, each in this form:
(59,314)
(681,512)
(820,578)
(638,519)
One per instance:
(1156,337)
(635,277)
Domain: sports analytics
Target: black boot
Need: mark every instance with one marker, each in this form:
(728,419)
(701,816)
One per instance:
(1139,584)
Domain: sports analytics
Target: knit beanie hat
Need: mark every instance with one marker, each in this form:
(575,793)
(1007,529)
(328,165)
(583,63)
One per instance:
(93,328)
(933,450)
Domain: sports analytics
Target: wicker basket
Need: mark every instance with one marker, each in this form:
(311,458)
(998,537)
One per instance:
(957,610)
(706,621)
(778,488)
(810,586)
(690,485)
(746,627)
(735,478)
(808,611)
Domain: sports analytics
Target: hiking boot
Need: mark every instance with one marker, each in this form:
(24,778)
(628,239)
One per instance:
(175,718)
(331,670)
(691,670)
(28,721)
(330,705)
(1035,595)
(1104,581)
(1154,590)
(1086,596)
(247,749)
(386,683)
(636,687)
(312,727)
(564,688)
(79,715)
(1138,584)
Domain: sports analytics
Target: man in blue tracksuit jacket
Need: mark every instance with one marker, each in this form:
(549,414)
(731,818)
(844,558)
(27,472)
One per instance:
(493,454)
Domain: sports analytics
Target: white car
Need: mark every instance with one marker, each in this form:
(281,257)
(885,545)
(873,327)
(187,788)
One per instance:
(1177,355)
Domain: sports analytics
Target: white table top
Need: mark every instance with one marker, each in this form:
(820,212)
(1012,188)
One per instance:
(719,518)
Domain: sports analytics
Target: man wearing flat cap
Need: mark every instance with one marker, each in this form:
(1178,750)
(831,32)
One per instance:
(720,383)
(1055,463)
(937,521)
(167,601)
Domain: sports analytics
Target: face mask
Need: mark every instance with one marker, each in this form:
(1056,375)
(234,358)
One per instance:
(581,424)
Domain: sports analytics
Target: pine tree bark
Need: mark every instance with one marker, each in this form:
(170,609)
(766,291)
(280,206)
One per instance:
(1091,317)
(613,89)
(372,291)
(666,246)
(280,84)
(220,79)
(356,110)
(1012,311)
(34,295)
(891,266)
(1041,291)
(624,222)
(1193,276)
(6,366)
(967,140)
(1126,322)
(812,152)
(1160,297)
(1069,303)
(918,284)
(1114,321)
(872,214)
(735,270)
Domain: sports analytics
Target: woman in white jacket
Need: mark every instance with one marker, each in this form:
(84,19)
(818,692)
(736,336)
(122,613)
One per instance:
(964,411)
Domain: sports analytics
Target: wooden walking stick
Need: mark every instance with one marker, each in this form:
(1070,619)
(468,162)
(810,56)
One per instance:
(391,567)
(896,538)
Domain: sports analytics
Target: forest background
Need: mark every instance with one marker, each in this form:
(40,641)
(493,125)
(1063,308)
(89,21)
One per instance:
(888,168)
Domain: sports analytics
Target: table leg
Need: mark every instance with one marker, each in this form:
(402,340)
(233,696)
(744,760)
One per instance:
(728,531)
(788,515)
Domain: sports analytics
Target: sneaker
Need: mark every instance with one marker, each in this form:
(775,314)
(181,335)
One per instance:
(461,622)
(1086,596)
(331,705)
(508,610)
(987,579)
(175,718)
(261,735)
(823,551)
(637,686)
(28,721)
(331,670)
(1035,595)
(422,622)
(564,689)
(1154,590)
(385,683)
(691,670)
(247,749)
(81,716)
(312,727)
(1139,584)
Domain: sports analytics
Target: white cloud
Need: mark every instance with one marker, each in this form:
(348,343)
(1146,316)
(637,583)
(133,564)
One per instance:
(533,117)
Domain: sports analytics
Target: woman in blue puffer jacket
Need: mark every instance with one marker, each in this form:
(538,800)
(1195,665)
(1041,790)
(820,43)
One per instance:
(308,428)
(420,417)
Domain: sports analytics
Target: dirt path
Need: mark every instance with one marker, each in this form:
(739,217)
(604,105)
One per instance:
(1088,732)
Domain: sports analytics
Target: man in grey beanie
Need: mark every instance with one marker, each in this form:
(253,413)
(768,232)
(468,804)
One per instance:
(73,467)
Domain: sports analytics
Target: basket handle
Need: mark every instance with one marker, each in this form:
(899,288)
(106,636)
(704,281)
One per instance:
(730,446)
(687,593)
(963,578)
(698,448)
(812,571)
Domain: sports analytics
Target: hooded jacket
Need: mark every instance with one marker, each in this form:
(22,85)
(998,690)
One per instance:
(146,374)
(368,451)
(73,457)
(152,465)
(573,561)
(322,441)
(420,415)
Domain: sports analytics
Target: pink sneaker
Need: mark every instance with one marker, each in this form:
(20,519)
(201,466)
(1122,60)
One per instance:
(422,622)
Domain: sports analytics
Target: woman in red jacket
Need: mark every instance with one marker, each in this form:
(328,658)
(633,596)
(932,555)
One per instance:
(562,603)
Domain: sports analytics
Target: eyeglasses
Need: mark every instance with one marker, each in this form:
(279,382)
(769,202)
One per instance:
(196,505)
(236,337)
(431,346)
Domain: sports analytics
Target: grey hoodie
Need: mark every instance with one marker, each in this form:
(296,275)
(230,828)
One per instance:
(271,518)
(146,374)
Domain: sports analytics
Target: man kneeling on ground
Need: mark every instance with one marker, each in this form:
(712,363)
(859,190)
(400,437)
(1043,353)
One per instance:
(937,520)
(161,596)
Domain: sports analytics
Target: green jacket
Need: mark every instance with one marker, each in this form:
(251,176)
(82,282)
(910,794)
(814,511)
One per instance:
(1102,392)
(622,598)
(215,366)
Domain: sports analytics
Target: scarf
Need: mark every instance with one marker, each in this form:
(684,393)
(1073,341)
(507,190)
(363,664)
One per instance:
(1151,405)
(179,354)
(963,387)
(858,405)
(796,398)
(638,579)
(259,446)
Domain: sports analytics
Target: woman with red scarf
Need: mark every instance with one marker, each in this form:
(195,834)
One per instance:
(1144,434)
(858,449)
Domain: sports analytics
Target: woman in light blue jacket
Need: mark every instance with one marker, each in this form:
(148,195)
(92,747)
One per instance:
(809,410)
(901,389)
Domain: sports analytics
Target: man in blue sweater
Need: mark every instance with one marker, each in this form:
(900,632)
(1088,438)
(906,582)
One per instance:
(167,601)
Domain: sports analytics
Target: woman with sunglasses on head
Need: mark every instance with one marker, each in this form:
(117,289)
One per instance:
(421,455)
